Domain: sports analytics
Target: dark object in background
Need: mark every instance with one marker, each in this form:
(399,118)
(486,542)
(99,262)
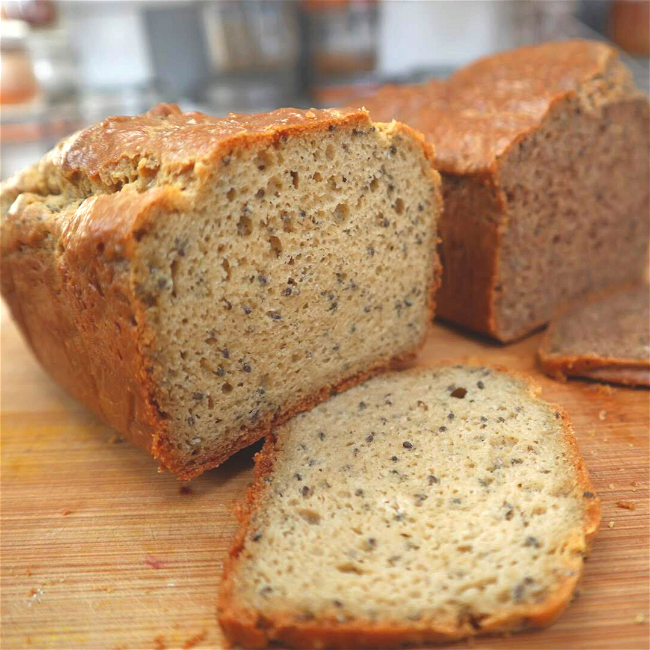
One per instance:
(235,56)
(629,25)
(179,71)
(341,44)
(342,37)
(245,55)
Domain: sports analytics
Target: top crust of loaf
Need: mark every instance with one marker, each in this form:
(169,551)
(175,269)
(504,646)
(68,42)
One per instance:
(604,336)
(164,153)
(170,138)
(163,147)
(481,111)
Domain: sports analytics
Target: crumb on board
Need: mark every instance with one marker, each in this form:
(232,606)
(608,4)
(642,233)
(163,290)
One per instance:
(611,486)
(66,512)
(154,562)
(115,439)
(34,596)
(639,619)
(625,505)
(602,389)
(611,524)
(195,640)
(602,415)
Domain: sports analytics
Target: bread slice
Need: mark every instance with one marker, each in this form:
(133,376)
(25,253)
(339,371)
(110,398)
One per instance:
(543,152)
(195,281)
(604,337)
(425,505)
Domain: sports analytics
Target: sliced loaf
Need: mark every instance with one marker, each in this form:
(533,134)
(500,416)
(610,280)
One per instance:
(605,337)
(425,505)
(195,280)
(544,153)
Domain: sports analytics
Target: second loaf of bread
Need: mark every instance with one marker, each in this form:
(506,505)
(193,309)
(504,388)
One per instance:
(544,153)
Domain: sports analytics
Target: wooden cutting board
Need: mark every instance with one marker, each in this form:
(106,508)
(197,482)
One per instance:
(99,550)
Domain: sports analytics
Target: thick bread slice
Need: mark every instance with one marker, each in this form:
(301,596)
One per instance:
(604,337)
(425,505)
(195,281)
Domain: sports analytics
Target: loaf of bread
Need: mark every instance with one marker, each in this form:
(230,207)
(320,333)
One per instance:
(544,156)
(605,337)
(426,505)
(195,281)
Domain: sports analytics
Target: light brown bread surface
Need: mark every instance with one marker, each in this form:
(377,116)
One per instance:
(544,153)
(605,336)
(195,280)
(419,506)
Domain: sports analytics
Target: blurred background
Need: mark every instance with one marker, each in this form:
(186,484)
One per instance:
(68,63)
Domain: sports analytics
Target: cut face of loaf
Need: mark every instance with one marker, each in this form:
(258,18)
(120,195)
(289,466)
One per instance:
(426,505)
(195,280)
(544,153)
(605,336)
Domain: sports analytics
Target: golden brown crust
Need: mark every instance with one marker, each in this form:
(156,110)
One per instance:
(467,292)
(68,286)
(70,235)
(161,147)
(485,108)
(619,371)
(627,376)
(249,628)
(173,139)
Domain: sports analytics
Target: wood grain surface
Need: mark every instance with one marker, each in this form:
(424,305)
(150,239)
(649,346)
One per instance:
(99,550)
